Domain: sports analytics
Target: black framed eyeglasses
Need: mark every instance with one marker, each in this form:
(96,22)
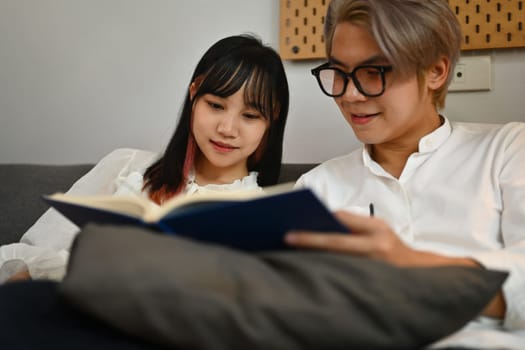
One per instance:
(369,80)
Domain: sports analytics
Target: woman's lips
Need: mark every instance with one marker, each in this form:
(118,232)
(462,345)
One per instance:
(222,147)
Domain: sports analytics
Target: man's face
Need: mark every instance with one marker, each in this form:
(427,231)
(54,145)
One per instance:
(400,115)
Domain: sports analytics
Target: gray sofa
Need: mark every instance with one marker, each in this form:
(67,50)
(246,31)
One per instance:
(352,289)
(23,184)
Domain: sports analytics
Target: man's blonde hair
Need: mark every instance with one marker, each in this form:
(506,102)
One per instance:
(412,34)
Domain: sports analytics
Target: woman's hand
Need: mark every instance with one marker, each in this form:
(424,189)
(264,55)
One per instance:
(19,276)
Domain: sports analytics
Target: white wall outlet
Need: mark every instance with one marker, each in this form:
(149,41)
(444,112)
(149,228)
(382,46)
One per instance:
(459,74)
(472,73)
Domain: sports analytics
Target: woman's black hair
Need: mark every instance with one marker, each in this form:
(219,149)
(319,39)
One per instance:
(228,65)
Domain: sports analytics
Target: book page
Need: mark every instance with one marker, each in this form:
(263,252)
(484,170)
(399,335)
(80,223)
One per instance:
(148,211)
(129,205)
(180,201)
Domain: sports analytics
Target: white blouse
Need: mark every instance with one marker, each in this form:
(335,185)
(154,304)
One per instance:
(44,248)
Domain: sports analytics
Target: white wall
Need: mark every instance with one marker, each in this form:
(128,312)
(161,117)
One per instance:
(79,78)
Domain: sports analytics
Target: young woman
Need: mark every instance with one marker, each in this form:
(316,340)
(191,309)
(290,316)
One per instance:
(229,137)
(232,123)
(445,193)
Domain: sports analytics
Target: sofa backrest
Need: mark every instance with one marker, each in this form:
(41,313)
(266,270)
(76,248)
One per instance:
(291,171)
(21,188)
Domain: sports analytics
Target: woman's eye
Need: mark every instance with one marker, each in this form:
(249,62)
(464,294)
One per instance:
(214,105)
(252,115)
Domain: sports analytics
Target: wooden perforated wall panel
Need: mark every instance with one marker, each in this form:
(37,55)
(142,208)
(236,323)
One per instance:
(486,24)
(489,24)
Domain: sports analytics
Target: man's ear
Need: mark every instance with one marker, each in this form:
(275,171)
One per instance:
(438,73)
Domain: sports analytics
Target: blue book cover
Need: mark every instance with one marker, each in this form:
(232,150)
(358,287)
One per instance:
(250,224)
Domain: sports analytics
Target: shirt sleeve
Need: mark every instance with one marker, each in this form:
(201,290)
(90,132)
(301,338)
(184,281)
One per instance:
(44,248)
(511,258)
(52,230)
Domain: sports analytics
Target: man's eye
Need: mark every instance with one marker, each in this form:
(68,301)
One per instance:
(373,72)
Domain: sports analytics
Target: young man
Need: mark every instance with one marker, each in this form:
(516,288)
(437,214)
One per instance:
(444,193)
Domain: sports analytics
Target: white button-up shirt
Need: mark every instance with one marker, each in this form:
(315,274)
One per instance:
(461,194)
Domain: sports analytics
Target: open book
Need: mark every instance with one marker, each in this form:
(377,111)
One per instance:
(251,221)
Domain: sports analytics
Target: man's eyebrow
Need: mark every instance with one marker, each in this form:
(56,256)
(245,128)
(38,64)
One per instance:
(336,62)
(371,60)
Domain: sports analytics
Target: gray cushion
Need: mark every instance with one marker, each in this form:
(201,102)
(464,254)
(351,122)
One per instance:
(187,294)
(22,186)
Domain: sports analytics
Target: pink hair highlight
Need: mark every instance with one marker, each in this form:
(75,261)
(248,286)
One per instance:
(189,159)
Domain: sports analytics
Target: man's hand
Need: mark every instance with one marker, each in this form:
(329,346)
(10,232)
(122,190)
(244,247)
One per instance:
(373,238)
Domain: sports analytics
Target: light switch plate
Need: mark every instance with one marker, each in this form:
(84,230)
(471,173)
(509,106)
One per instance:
(472,73)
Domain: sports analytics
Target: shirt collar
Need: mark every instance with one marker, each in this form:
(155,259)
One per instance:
(436,138)
(427,143)
(247,183)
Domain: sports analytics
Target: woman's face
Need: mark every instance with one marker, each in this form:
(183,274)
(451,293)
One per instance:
(403,113)
(227,132)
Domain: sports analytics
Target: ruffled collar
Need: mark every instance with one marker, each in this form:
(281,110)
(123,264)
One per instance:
(249,182)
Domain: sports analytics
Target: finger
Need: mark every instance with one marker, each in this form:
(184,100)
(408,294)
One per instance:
(355,221)
(358,223)
(344,243)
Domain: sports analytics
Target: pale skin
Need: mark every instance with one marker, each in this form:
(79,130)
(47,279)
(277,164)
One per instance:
(227,132)
(391,125)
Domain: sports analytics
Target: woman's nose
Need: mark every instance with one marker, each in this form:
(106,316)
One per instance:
(228,125)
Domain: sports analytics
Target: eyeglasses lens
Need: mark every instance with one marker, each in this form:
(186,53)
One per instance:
(368,80)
